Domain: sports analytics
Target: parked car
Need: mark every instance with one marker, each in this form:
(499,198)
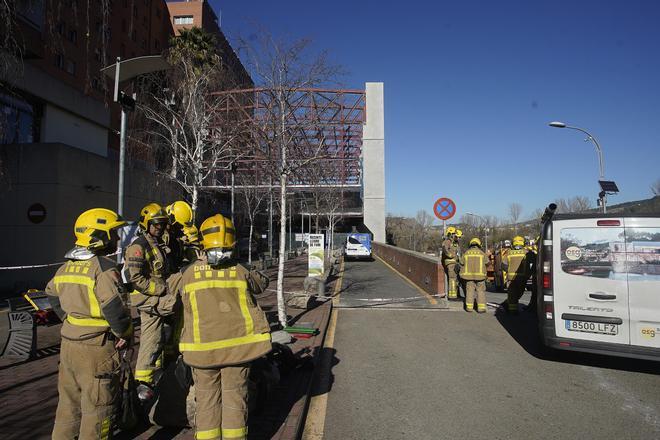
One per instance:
(598,283)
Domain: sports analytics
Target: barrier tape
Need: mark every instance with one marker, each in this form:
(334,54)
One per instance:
(37,266)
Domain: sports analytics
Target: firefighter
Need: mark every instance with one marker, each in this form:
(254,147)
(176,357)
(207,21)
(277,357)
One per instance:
(86,294)
(224,330)
(531,262)
(515,263)
(457,268)
(473,273)
(180,216)
(191,246)
(147,266)
(449,260)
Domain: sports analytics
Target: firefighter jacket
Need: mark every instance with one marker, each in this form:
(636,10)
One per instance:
(86,295)
(515,263)
(146,267)
(222,323)
(473,264)
(449,252)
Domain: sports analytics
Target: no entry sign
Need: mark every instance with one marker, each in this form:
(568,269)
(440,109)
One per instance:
(444,208)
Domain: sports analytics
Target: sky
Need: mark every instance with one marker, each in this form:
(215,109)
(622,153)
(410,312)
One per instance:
(470,87)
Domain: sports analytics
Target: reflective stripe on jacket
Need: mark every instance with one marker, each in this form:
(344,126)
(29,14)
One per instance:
(474,265)
(223,325)
(515,263)
(82,286)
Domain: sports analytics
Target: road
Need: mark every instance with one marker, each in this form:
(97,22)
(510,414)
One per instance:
(429,373)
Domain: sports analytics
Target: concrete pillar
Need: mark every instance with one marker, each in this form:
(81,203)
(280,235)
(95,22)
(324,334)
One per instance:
(373,162)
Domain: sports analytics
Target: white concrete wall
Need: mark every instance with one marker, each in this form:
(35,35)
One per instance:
(373,161)
(60,126)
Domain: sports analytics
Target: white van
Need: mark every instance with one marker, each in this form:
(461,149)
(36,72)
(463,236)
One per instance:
(358,246)
(599,284)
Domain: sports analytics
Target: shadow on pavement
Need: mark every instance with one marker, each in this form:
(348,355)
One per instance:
(523,328)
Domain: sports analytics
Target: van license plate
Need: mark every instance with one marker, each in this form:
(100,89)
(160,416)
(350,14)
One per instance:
(592,327)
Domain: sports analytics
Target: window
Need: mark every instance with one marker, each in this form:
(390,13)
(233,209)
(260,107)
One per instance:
(59,61)
(60,27)
(643,254)
(19,121)
(593,252)
(70,66)
(183,19)
(73,36)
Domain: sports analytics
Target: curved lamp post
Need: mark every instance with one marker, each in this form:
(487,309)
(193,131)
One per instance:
(605,185)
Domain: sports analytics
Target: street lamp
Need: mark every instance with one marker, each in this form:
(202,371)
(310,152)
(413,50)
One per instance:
(485,227)
(606,186)
(119,72)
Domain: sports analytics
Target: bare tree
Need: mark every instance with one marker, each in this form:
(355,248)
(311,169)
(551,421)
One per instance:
(252,199)
(422,222)
(185,119)
(655,188)
(515,209)
(573,204)
(283,69)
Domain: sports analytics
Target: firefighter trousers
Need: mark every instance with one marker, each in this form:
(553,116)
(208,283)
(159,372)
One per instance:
(88,386)
(221,396)
(452,281)
(153,315)
(515,292)
(478,289)
(149,358)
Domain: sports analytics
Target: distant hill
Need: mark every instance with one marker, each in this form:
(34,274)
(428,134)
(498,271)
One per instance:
(646,206)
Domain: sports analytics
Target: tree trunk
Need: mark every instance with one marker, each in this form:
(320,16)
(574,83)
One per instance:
(250,242)
(195,195)
(281,307)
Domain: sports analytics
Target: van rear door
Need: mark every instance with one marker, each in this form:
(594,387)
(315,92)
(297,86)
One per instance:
(643,258)
(590,280)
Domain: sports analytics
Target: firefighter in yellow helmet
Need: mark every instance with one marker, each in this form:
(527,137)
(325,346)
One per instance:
(180,216)
(517,272)
(449,260)
(224,330)
(474,272)
(532,253)
(86,293)
(147,265)
(191,245)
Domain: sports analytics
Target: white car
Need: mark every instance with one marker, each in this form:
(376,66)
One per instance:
(599,284)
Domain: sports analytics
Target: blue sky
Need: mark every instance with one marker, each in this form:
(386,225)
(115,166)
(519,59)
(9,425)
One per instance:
(471,85)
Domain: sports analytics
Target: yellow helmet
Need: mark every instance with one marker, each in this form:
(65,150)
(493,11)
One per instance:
(217,232)
(475,242)
(93,227)
(191,234)
(459,233)
(152,213)
(518,241)
(180,213)
(451,230)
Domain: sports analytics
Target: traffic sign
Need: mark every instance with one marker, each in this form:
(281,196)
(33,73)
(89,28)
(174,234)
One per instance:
(36,213)
(444,208)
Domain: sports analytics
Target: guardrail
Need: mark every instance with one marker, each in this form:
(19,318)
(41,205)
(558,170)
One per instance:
(422,270)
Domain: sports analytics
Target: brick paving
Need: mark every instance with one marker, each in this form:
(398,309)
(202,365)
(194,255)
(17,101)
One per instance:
(28,390)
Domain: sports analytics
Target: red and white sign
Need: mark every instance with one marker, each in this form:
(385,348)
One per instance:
(444,208)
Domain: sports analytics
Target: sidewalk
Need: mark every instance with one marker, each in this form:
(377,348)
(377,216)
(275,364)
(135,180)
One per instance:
(28,390)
